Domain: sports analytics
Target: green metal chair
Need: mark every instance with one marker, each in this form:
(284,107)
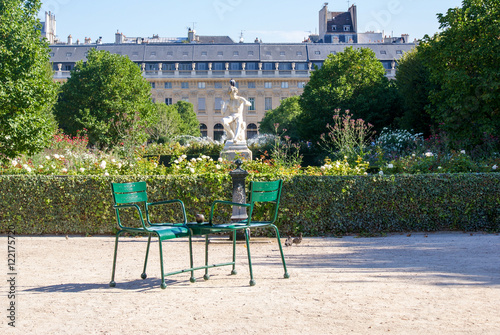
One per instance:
(260,192)
(133,195)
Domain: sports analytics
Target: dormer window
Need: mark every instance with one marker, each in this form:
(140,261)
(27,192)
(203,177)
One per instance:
(334,27)
(347,28)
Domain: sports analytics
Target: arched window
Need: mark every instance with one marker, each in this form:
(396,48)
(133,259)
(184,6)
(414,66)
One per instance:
(251,131)
(218,131)
(203,130)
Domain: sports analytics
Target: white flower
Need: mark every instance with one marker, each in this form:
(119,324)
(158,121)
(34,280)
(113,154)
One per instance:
(191,170)
(106,173)
(220,159)
(218,167)
(204,157)
(462,152)
(47,158)
(40,166)
(494,167)
(322,168)
(61,156)
(177,167)
(390,166)
(7,137)
(429,154)
(193,160)
(183,156)
(113,160)
(56,156)
(82,170)
(439,168)
(14,162)
(103,165)
(176,161)
(199,159)
(64,170)
(26,167)
(119,166)
(381,173)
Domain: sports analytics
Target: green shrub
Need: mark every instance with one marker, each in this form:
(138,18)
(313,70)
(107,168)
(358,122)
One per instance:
(314,205)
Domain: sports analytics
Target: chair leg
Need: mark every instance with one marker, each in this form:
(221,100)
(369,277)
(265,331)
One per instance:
(252,281)
(233,271)
(192,279)
(286,275)
(163,284)
(112,283)
(144,275)
(206,276)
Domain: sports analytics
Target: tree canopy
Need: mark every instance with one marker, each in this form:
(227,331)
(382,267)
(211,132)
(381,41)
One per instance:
(27,91)
(108,97)
(346,81)
(283,119)
(463,64)
(189,122)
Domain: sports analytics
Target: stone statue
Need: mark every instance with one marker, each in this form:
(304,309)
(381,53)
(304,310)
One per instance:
(233,122)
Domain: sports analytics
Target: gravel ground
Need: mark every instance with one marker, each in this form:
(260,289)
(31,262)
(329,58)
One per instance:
(441,283)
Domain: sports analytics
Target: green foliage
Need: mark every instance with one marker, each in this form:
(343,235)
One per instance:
(167,124)
(190,124)
(108,97)
(314,205)
(345,81)
(463,64)
(346,137)
(398,142)
(27,92)
(413,85)
(285,116)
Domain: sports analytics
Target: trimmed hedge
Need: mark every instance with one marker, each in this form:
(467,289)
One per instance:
(310,204)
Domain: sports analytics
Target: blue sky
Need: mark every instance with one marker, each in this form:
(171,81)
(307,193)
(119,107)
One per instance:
(272,21)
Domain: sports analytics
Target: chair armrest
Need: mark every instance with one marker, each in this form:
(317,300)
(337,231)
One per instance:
(224,202)
(166,202)
(118,207)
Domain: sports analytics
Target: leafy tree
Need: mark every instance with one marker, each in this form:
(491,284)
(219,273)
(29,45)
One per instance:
(107,96)
(27,91)
(463,63)
(167,125)
(190,124)
(413,85)
(338,85)
(285,116)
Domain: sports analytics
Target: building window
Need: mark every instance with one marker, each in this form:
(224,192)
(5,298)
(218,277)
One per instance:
(218,66)
(153,85)
(168,101)
(268,53)
(169,53)
(334,27)
(168,85)
(186,99)
(184,84)
(153,53)
(203,53)
(168,67)
(250,53)
(218,104)
(282,53)
(185,67)
(268,84)
(185,53)
(251,84)
(301,66)
(252,66)
(317,52)
(220,53)
(67,67)
(252,131)
(268,103)
(252,104)
(268,66)
(203,130)
(201,104)
(399,52)
(301,84)
(218,84)
(218,131)
(236,53)
(284,84)
(383,52)
(235,66)
(299,53)
(347,28)
(201,85)
(69,54)
(201,66)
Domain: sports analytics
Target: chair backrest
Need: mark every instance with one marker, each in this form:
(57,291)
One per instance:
(266,191)
(125,193)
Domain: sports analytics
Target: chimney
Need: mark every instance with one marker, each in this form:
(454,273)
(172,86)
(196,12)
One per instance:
(70,39)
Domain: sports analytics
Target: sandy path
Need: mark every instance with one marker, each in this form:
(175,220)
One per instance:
(444,283)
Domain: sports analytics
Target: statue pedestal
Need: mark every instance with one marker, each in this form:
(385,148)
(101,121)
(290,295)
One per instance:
(232,150)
